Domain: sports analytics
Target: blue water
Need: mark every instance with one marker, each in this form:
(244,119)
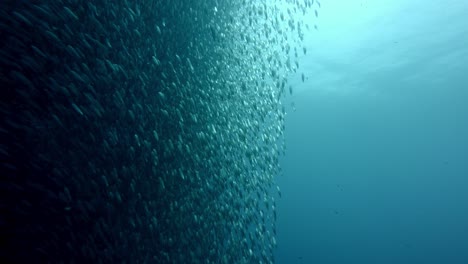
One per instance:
(376,167)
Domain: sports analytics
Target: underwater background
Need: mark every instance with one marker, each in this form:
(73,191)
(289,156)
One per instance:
(376,165)
(233,131)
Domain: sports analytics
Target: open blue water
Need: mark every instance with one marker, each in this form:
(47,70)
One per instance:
(376,167)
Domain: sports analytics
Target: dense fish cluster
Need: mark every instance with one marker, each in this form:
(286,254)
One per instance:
(143,131)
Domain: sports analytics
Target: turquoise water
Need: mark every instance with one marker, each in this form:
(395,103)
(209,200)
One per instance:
(376,166)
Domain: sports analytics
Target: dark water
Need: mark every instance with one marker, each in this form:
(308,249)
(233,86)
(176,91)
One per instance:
(381,187)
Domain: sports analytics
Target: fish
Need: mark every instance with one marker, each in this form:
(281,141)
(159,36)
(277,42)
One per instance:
(142,129)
